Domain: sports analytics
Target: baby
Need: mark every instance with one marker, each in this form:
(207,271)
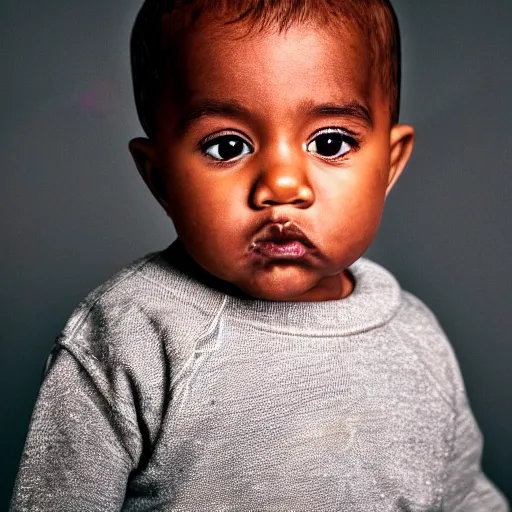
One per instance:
(259,363)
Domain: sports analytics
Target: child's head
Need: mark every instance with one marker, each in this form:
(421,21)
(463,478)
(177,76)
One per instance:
(161,23)
(273,134)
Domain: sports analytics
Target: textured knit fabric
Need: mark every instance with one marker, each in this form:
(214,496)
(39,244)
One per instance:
(165,394)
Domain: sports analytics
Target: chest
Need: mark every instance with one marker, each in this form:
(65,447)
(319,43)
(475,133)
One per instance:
(303,426)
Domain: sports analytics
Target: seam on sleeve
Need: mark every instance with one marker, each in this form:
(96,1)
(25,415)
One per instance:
(83,311)
(112,405)
(81,357)
(193,363)
(68,338)
(192,358)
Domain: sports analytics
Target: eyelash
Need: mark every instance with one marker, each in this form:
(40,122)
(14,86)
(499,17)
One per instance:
(351,139)
(216,138)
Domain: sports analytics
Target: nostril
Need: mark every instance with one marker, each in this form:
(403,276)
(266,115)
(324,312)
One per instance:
(273,190)
(273,202)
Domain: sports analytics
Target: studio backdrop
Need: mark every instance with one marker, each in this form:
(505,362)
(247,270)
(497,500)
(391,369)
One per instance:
(74,210)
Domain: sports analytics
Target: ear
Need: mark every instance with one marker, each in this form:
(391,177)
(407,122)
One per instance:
(146,159)
(401,142)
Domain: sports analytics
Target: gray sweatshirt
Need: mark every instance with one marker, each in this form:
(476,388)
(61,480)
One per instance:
(166,393)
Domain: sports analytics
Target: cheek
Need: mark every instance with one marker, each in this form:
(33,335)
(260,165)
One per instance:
(353,190)
(352,204)
(208,210)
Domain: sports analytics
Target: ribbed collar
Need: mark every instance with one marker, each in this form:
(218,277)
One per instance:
(373,302)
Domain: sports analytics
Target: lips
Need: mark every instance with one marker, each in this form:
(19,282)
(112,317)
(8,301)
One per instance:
(288,250)
(282,241)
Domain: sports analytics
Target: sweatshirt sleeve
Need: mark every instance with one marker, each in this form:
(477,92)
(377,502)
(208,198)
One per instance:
(80,449)
(467,488)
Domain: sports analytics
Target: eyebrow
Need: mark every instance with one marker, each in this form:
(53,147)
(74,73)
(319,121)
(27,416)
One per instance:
(352,109)
(212,108)
(234,109)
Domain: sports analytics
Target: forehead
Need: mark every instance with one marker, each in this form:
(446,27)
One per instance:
(270,70)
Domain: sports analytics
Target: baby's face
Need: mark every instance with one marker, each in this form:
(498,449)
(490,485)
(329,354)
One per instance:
(274,157)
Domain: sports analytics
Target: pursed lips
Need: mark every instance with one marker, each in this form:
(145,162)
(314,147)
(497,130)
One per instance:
(282,241)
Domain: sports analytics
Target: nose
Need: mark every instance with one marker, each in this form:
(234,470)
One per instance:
(282,181)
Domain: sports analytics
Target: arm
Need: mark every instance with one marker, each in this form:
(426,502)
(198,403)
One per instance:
(80,449)
(467,488)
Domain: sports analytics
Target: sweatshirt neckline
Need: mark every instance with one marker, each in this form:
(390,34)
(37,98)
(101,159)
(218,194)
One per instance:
(374,300)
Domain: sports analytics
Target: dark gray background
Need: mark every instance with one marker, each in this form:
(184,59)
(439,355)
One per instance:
(74,210)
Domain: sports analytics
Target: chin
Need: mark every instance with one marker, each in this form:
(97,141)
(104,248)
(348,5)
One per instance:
(278,288)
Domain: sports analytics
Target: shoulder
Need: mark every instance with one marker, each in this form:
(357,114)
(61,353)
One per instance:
(417,332)
(421,333)
(144,316)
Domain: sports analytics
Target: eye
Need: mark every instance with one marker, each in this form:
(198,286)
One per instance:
(331,144)
(226,148)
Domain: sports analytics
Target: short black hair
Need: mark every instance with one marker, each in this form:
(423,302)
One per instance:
(375,18)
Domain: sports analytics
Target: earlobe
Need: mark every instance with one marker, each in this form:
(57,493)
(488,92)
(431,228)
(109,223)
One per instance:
(146,160)
(400,147)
